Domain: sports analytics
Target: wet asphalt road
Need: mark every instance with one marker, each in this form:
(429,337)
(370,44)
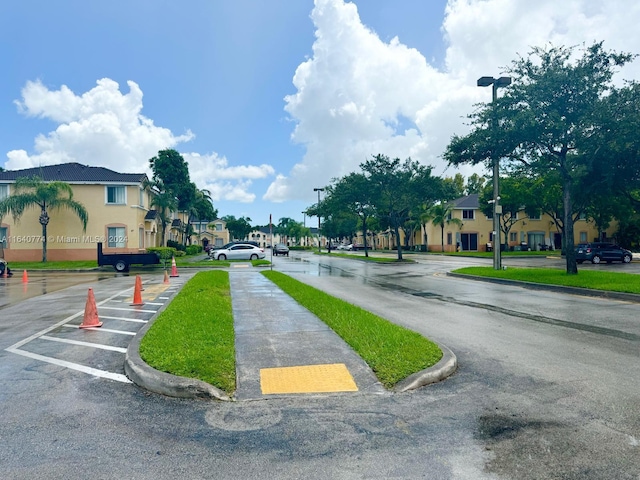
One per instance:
(538,394)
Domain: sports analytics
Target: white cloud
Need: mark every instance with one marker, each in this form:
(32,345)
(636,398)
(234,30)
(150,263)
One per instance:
(224,182)
(355,89)
(104,127)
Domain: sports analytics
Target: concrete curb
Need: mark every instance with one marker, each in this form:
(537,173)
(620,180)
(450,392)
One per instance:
(587,292)
(164,383)
(441,370)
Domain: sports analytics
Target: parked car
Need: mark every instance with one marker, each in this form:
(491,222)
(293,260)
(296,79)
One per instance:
(226,246)
(596,252)
(238,251)
(281,249)
(342,247)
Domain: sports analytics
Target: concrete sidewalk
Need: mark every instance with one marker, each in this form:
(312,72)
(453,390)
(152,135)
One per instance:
(273,330)
(273,335)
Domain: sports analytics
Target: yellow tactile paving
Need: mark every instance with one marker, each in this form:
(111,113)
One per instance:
(307,379)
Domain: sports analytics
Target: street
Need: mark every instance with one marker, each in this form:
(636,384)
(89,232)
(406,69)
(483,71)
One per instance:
(546,388)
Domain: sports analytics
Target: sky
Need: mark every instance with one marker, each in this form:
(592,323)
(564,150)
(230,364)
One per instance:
(267,100)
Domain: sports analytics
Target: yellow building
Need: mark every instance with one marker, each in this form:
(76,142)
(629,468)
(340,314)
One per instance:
(119,211)
(476,231)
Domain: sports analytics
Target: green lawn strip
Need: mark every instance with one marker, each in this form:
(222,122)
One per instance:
(194,337)
(393,352)
(598,280)
(370,258)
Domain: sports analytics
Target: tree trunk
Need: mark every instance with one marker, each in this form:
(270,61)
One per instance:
(570,253)
(44,221)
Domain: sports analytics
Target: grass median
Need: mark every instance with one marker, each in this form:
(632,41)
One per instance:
(392,352)
(597,280)
(194,337)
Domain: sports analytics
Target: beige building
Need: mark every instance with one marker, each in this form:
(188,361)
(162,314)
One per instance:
(119,211)
(476,232)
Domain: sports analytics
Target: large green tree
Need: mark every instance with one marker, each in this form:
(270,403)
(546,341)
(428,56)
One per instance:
(393,185)
(545,121)
(238,228)
(172,170)
(33,192)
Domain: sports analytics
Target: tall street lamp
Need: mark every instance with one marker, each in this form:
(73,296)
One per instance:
(319,190)
(497,208)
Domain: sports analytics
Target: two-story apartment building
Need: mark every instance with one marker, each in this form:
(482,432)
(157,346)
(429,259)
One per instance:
(476,230)
(118,206)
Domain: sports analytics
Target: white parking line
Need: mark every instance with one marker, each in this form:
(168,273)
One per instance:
(129,309)
(124,319)
(100,329)
(73,366)
(84,344)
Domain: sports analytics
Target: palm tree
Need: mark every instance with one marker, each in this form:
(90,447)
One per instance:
(164,203)
(33,192)
(440,214)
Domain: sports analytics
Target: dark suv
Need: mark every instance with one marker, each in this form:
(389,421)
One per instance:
(597,252)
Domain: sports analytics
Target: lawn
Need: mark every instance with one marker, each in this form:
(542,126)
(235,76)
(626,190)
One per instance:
(194,337)
(598,280)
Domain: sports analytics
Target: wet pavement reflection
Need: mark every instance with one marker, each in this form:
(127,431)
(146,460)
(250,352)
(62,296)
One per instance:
(14,290)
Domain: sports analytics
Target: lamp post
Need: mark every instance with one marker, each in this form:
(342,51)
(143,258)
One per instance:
(319,190)
(497,208)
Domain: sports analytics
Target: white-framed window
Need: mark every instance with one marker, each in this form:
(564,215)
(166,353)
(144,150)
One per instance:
(141,199)
(3,236)
(583,237)
(534,216)
(4,191)
(141,237)
(218,227)
(116,237)
(449,238)
(513,236)
(116,195)
(467,214)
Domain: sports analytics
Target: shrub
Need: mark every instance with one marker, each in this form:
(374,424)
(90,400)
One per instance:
(194,249)
(178,246)
(165,253)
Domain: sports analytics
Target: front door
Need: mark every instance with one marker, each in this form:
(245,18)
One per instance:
(469,241)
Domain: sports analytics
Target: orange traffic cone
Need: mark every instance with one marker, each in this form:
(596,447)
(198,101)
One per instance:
(25,277)
(91,312)
(137,295)
(166,277)
(174,269)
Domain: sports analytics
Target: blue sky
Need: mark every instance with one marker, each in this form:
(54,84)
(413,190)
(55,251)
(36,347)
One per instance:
(266,99)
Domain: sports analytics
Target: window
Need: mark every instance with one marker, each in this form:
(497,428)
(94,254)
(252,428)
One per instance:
(513,236)
(449,238)
(4,191)
(116,195)
(3,236)
(534,216)
(141,199)
(218,227)
(141,237)
(583,237)
(467,214)
(116,237)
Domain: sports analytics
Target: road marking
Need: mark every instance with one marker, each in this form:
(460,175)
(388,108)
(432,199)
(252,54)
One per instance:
(124,319)
(100,329)
(73,366)
(84,344)
(128,309)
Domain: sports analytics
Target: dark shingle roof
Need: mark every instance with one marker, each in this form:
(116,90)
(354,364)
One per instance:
(74,172)
(151,215)
(468,202)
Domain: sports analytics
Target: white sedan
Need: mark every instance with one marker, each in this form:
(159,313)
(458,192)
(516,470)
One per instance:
(239,251)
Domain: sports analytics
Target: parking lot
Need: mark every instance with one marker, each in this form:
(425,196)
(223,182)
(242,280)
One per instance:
(59,340)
